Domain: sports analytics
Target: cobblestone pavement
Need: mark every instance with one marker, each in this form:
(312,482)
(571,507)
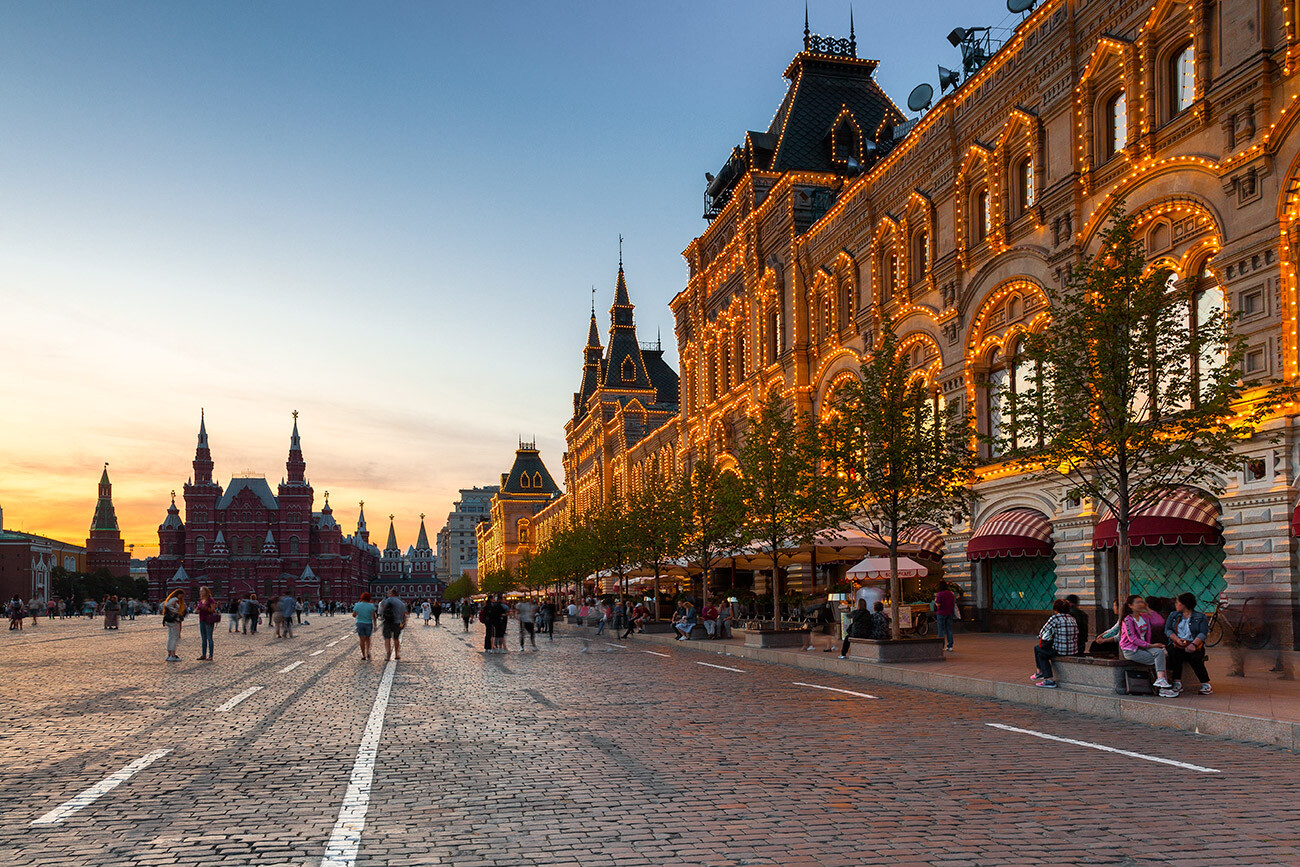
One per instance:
(587,753)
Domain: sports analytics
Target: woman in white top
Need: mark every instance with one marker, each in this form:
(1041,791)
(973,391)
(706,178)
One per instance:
(426,611)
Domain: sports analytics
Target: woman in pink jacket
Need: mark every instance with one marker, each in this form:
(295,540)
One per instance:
(1135,643)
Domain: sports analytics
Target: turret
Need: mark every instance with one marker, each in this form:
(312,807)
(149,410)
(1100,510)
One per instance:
(296,466)
(202,455)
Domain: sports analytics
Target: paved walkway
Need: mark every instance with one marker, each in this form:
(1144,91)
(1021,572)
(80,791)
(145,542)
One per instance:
(1263,707)
(583,752)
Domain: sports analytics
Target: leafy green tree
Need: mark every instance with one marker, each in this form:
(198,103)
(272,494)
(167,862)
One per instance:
(496,581)
(786,501)
(658,523)
(895,462)
(613,539)
(1133,388)
(459,588)
(713,517)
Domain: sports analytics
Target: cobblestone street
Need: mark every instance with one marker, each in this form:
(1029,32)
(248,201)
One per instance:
(585,752)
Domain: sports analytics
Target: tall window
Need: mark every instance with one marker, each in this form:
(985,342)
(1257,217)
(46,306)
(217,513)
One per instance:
(983,220)
(999,383)
(1014,411)
(1024,185)
(1116,124)
(891,278)
(293,544)
(773,336)
(920,255)
(1182,80)
(200,546)
(1207,306)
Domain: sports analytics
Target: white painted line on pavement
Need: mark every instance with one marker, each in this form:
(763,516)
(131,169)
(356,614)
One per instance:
(334,642)
(1104,748)
(657,653)
(237,699)
(723,667)
(614,645)
(290,667)
(316,652)
(103,787)
(341,850)
(832,689)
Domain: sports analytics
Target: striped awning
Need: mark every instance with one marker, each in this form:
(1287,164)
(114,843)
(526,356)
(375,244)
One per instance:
(1182,516)
(1295,521)
(927,540)
(1013,533)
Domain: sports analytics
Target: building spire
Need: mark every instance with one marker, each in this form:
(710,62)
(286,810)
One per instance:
(203,430)
(296,466)
(202,454)
(853,39)
(807,33)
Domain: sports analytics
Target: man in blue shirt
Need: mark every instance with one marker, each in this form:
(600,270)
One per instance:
(287,607)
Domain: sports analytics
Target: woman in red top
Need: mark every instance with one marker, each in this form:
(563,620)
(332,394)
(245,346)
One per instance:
(209,617)
(945,609)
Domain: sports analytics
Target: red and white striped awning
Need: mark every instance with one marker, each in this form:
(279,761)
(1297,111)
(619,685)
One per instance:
(927,540)
(1182,516)
(1013,533)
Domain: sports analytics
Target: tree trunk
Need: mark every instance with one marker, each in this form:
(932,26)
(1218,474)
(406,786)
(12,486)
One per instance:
(1123,558)
(776,591)
(894,589)
(655,615)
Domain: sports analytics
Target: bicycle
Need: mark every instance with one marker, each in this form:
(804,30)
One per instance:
(1252,633)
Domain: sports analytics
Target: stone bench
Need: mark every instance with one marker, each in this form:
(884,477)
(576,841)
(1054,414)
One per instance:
(775,637)
(1096,675)
(902,650)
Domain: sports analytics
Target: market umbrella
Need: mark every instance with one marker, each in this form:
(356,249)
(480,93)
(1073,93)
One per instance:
(875,568)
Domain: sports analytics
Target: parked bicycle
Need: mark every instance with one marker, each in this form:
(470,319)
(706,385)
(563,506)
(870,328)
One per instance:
(1246,630)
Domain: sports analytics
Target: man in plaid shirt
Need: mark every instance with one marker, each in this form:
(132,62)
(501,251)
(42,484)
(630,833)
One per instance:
(1058,637)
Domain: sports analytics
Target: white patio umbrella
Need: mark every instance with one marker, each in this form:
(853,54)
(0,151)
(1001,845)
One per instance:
(875,568)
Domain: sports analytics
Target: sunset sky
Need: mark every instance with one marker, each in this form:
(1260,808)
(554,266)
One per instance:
(387,216)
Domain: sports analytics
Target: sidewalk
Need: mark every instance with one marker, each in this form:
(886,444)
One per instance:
(1259,708)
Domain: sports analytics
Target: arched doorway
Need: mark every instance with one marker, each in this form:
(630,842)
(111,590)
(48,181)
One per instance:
(1015,570)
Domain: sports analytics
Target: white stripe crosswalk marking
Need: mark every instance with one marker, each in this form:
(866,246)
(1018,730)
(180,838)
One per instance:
(832,689)
(290,667)
(334,642)
(341,851)
(657,653)
(723,667)
(613,645)
(317,652)
(1104,748)
(237,699)
(103,787)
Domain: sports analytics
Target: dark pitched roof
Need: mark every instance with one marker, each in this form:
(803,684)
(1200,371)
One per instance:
(624,366)
(666,382)
(256,484)
(821,88)
(529,475)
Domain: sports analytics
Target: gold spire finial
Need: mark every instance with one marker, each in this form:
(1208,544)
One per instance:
(422,516)
(390,517)
(295,415)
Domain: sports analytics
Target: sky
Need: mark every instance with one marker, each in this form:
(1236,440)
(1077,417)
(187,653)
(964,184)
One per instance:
(388,216)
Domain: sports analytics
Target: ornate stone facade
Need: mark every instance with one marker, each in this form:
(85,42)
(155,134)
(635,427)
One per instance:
(952,225)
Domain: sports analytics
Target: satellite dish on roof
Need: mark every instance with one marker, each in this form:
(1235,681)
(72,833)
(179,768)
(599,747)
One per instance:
(947,78)
(1020,5)
(920,97)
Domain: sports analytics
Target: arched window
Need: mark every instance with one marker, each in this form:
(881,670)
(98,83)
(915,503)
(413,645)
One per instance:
(525,481)
(200,546)
(1208,308)
(982,219)
(537,480)
(522,529)
(891,274)
(920,255)
(740,357)
(1024,186)
(773,335)
(999,385)
(629,370)
(1116,124)
(1182,79)
(293,544)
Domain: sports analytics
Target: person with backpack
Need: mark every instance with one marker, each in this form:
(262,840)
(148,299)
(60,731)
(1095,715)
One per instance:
(209,617)
(392,613)
(173,613)
(364,613)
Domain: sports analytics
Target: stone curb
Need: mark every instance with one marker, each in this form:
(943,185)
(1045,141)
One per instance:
(1148,711)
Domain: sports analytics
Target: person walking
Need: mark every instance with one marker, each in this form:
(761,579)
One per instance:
(437,613)
(526,611)
(209,617)
(364,613)
(426,612)
(606,612)
(232,611)
(255,614)
(112,613)
(945,610)
(173,613)
(548,619)
(466,612)
(502,621)
(288,607)
(392,613)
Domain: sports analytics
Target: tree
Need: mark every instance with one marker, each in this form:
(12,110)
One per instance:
(460,588)
(613,539)
(713,517)
(1132,389)
(895,461)
(785,500)
(496,581)
(657,521)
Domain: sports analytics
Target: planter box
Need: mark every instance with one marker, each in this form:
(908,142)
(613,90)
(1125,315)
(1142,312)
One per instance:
(903,650)
(775,637)
(573,619)
(1094,675)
